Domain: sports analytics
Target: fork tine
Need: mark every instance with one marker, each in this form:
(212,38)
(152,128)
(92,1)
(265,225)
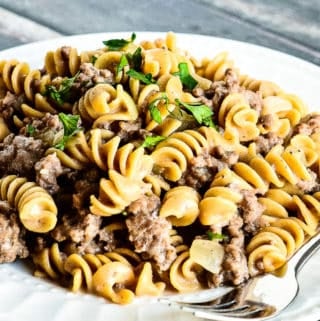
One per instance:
(229,305)
(259,311)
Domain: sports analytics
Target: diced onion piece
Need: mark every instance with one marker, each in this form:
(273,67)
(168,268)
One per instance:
(209,254)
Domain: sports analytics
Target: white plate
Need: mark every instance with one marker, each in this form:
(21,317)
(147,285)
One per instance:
(25,298)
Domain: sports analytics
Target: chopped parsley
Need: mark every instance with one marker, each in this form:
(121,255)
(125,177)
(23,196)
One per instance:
(136,59)
(145,78)
(123,62)
(118,44)
(216,236)
(70,128)
(152,141)
(201,112)
(93,59)
(186,79)
(61,94)
(30,130)
(154,110)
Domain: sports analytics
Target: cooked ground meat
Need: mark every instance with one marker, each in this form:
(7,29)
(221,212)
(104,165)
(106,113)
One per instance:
(254,99)
(227,157)
(107,240)
(221,89)
(309,186)
(267,122)
(90,76)
(12,238)
(266,142)
(48,128)
(234,266)
(251,211)
(79,232)
(84,187)
(201,94)
(308,125)
(47,170)
(18,154)
(10,105)
(149,233)
(202,168)
(128,131)
(78,228)
(65,52)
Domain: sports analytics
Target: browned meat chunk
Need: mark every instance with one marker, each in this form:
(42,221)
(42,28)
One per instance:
(149,233)
(47,170)
(18,154)
(12,236)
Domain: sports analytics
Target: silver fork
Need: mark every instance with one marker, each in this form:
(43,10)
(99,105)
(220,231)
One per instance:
(261,298)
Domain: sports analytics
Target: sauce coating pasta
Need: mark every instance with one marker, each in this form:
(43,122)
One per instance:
(134,168)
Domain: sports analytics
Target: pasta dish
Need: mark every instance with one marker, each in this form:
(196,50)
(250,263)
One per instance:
(134,168)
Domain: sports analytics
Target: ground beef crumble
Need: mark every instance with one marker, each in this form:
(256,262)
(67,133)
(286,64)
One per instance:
(89,76)
(202,168)
(12,235)
(149,233)
(78,232)
(308,125)
(265,143)
(47,170)
(251,211)
(10,105)
(18,154)
(234,266)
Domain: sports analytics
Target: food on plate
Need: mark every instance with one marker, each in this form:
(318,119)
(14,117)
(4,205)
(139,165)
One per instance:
(134,168)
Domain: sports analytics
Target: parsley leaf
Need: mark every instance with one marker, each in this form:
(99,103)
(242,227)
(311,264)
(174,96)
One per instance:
(202,113)
(70,128)
(61,94)
(93,59)
(145,78)
(30,130)
(216,236)
(118,44)
(136,59)
(151,141)
(123,62)
(154,110)
(187,80)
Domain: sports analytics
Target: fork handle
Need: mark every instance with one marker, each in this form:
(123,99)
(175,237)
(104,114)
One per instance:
(301,257)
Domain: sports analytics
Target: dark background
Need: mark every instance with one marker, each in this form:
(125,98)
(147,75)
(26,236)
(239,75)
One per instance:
(291,26)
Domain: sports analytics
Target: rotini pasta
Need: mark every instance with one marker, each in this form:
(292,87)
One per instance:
(136,168)
(37,210)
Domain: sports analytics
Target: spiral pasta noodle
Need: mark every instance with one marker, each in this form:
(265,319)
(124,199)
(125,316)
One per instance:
(64,61)
(37,210)
(173,154)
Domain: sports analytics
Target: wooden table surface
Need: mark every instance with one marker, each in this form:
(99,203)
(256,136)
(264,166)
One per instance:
(291,26)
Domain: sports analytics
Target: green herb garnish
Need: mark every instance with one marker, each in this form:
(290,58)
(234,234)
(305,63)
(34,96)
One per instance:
(93,59)
(70,128)
(151,141)
(201,112)
(216,236)
(118,44)
(187,80)
(62,94)
(145,78)
(136,59)
(123,62)
(30,130)
(154,110)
